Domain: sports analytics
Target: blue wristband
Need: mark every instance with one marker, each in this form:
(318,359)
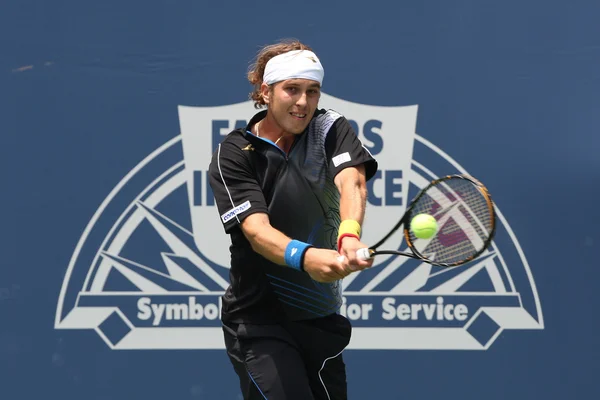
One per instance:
(294,254)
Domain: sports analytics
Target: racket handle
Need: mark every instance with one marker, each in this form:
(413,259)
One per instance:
(363,254)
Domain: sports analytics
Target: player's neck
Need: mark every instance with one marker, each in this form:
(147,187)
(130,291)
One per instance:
(269,129)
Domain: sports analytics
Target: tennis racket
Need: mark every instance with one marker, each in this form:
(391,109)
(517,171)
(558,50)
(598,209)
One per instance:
(466,222)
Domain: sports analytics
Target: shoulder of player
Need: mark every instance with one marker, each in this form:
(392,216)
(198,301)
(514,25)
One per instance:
(324,113)
(238,139)
(235,148)
(328,120)
(235,141)
(329,117)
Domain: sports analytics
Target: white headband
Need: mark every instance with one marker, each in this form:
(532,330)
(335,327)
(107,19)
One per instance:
(293,64)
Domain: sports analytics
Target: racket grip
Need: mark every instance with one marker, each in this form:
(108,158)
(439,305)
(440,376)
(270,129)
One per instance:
(363,254)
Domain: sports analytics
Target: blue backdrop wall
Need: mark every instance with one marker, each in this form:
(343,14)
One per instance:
(509,90)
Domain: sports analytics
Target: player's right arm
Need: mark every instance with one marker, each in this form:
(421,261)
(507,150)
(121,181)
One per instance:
(322,265)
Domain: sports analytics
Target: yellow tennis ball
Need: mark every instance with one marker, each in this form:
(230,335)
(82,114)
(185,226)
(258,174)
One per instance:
(423,226)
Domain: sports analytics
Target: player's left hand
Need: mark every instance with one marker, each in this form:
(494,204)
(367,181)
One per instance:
(349,247)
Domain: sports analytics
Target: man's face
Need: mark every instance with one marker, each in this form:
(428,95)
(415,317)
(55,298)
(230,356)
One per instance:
(292,103)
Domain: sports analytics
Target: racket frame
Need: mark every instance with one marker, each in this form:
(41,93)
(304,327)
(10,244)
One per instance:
(372,251)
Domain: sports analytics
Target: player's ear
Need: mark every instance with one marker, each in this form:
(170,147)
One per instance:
(265,91)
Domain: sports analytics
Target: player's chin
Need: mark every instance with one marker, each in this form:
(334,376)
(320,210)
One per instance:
(298,125)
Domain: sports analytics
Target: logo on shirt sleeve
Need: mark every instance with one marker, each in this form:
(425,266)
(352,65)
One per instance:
(235,211)
(341,158)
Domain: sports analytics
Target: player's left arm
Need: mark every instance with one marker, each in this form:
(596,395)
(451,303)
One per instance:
(352,185)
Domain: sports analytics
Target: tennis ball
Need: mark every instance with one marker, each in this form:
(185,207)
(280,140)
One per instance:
(423,226)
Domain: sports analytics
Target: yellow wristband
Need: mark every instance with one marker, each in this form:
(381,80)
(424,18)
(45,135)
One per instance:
(349,226)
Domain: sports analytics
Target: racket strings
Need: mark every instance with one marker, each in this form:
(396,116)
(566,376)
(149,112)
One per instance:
(465,221)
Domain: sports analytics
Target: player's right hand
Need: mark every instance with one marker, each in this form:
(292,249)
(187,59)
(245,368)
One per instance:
(325,265)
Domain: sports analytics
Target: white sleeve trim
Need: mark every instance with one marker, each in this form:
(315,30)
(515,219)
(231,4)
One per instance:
(228,193)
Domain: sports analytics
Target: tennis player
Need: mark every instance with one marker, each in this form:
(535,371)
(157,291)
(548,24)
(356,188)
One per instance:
(291,192)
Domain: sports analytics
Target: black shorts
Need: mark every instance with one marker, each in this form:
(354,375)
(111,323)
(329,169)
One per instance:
(299,360)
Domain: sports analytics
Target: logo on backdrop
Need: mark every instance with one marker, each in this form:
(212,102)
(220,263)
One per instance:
(152,263)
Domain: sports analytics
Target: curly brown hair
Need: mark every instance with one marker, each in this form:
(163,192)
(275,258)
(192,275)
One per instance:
(257,68)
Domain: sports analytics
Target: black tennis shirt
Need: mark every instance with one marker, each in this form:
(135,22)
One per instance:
(249,174)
